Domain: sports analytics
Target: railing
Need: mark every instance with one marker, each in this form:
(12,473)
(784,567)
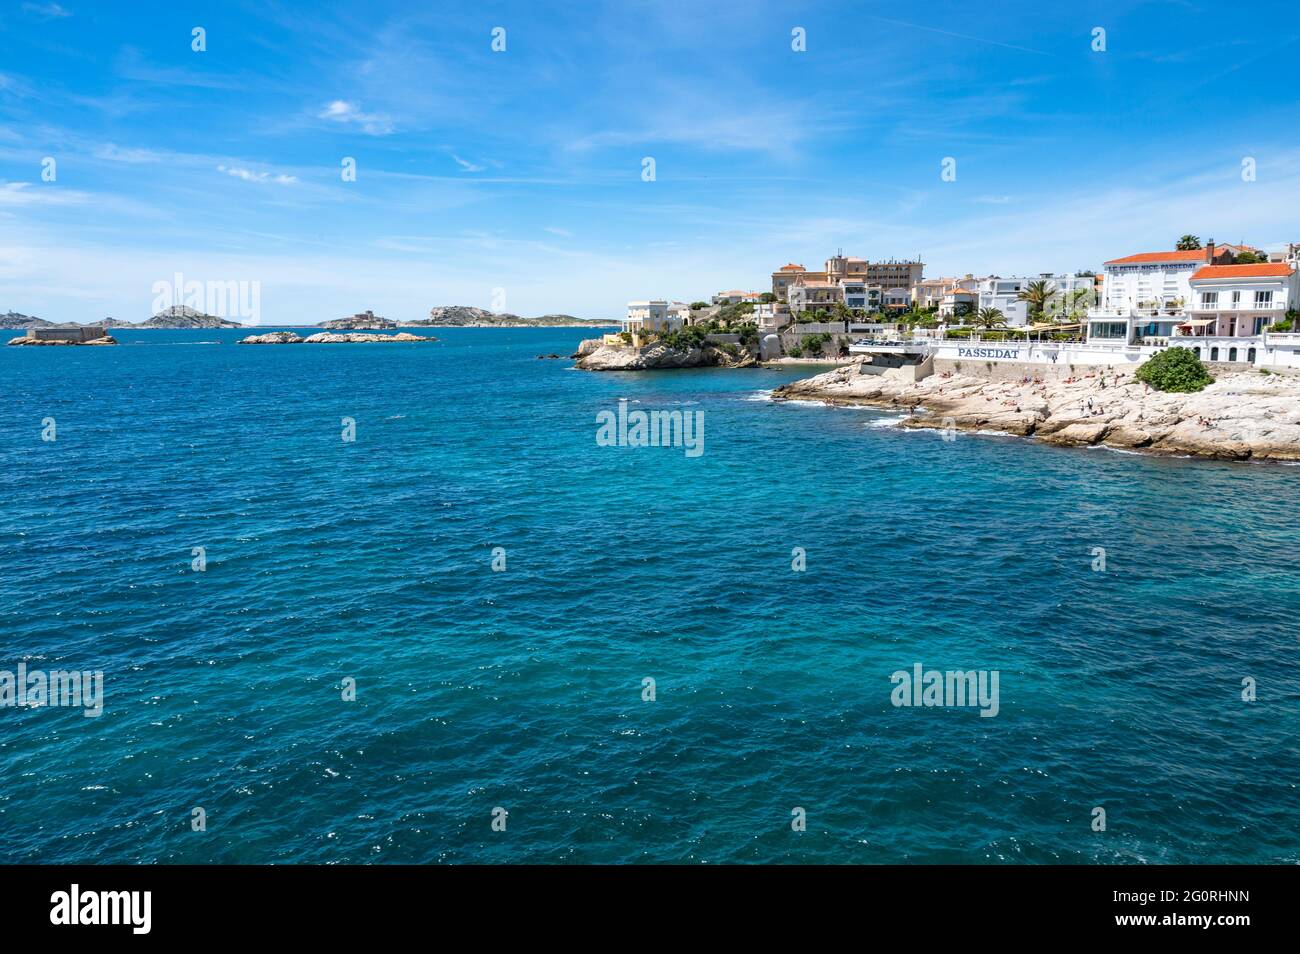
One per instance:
(1239,306)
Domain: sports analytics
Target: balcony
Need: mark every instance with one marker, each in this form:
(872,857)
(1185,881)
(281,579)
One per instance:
(1205,309)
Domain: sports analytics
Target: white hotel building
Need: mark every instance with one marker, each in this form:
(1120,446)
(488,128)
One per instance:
(1144,295)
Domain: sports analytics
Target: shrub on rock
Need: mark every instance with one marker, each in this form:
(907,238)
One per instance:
(1175,369)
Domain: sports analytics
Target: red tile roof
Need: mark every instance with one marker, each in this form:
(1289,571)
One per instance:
(1264,270)
(792,268)
(1191,255)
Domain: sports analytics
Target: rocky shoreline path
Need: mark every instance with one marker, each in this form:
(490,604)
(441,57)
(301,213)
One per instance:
(1243,415)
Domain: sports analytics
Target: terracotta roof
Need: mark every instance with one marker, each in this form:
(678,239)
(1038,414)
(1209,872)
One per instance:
(1191,255)
(1265,270)
(792,268)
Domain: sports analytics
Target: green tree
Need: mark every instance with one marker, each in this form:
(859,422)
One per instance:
(989,318)
(1188,243)
(1035,295)
(1175,369)
(1248,258)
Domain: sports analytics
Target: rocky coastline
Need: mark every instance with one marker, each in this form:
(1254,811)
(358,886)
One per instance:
(1243,415)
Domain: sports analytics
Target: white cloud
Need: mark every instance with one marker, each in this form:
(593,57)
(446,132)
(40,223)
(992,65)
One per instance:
(467,165)
(250,176)
(116,153)
(24,193)
(47,11)
(342,111)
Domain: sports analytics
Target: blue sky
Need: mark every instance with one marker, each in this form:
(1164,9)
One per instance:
(521,170)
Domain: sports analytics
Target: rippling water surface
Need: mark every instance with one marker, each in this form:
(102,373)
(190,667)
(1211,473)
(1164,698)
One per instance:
(522,688)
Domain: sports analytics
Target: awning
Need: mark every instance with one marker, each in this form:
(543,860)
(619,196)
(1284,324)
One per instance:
(1198,323)
(1051,327)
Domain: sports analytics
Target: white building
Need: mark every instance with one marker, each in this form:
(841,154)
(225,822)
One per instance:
(771,316)
(1233,301)
(735,296)
(1004,294)
(655,315)
(858,295)
(812,296)
(1144,295)
(928,292)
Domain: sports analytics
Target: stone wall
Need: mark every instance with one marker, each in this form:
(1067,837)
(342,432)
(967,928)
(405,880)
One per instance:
(1017,370)
(67,334)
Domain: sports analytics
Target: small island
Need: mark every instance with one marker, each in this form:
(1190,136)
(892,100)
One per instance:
(326,337)
(78,335)
(362,321)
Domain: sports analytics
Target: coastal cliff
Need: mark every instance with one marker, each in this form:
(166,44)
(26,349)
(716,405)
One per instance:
(1243,415)
(593,355)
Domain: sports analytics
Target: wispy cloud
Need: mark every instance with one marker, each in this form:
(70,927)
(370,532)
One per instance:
(115,153)
(24,193)
(248,175)
(46,11)
(342,111)
(467,165)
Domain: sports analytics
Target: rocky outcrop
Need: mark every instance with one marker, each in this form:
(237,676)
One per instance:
(1242,415)
(273,337)
(41,343)
(362,321)
(656,356)
(327,337)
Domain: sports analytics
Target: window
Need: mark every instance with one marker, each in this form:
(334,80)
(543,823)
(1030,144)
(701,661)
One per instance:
(1263,299)
(1236,299)
(1250,355)
(1232,354)
(1214,354)
(1209,300)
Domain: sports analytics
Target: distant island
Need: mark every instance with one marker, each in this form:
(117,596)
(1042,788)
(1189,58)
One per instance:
(466,316)
(443,316)
(362,321)
(178,316)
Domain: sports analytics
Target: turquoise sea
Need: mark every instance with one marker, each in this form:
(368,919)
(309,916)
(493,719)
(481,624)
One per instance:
(522,689)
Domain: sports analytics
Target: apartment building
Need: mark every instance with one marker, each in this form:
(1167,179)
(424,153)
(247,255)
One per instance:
(929,292)
(841,268)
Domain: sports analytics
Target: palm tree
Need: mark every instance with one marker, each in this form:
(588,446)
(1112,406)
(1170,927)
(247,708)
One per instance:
(989,318)
(1188,243)
(1036,294)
